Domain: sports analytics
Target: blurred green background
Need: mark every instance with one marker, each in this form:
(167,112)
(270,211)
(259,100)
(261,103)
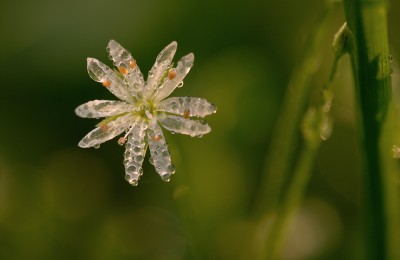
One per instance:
(58,201)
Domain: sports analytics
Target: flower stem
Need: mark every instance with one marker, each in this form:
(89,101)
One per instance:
(286,133)
(291,203)
(316,127)
(370,62)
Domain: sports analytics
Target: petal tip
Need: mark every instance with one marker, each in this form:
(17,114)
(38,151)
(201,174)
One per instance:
(82,144)
(90,60)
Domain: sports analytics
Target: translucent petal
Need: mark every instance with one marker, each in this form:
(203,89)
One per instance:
(178,124)
(157,72)
(187,106)
(135,152)
(106,132)
(125,63)
(170,83)
(103,108)
(160,155)
(102,73)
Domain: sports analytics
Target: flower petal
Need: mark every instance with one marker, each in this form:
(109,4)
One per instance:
(157,72)
(135,152)
(106,132)
(187,106)
(160,155)
(100,72)
(103,108)
(125,63)
(183,125)
(179,73)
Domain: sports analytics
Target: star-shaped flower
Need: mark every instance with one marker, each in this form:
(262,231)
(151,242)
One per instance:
(142,108)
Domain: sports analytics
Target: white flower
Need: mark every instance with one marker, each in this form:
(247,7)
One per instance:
(142,108)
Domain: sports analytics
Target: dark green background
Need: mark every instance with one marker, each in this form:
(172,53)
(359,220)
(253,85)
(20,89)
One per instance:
(58,201)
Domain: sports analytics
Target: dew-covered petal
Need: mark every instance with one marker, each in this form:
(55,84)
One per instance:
(100,72)
(178,124)
(175,77)
(159,152)
(159,68)
(125,63)
(107,131)
(187,106)
(135,151)
(103,108)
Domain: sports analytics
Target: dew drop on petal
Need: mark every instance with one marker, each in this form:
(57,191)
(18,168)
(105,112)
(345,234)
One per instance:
(166,177)
(133,182)
(97,146)
(151,160)
(171,168)
(180,84)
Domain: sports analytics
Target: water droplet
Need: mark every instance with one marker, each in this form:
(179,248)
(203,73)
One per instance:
(391,59)
(131,168)
(396,152)
(138,158)
(171,168)
(166,177)
(151,160)
(133,182)
(96,146)
(180,84)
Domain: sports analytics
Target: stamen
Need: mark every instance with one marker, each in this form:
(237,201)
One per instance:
(106,83)
(121,141)
(125,136)
(103,127)
(123,70)
(132,64)
(186,113)
(171,74)
(156,138)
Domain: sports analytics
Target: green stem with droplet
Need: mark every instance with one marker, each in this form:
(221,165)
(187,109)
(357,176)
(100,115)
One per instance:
(370,62)
(285,136)
(314,131)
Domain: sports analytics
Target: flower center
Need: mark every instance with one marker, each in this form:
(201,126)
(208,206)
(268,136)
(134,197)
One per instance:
(147,110)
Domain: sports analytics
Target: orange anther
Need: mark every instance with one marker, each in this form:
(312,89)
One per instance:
(156,138)
(106,83)
(171,74)
(132,64)
(123,70)
(121,141)
(186,113)
(103,127)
